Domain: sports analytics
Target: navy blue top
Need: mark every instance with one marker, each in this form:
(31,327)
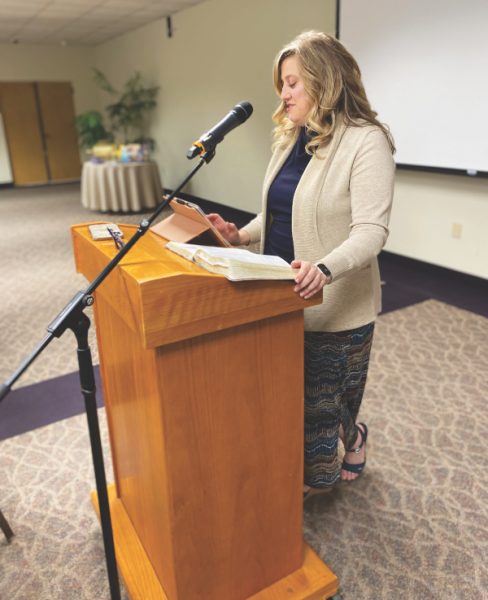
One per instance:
(279,239)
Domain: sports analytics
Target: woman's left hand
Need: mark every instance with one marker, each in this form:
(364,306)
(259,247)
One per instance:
(309,279)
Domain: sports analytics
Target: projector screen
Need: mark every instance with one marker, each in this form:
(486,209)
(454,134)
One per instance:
(425,69)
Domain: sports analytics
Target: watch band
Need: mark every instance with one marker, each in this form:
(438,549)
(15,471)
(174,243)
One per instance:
(324,270)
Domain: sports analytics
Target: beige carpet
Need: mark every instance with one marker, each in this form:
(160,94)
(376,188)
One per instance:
(415,525)
(37,265)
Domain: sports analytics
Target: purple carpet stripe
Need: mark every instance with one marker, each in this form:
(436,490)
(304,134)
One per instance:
(43,403)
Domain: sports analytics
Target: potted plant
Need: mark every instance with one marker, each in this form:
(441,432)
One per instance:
(91,129)
(129,113)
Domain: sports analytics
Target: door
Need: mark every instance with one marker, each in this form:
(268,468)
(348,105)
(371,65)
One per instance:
(39,126)
(18,105)
(60,138)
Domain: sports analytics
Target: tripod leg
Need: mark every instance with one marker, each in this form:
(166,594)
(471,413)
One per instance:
(87,379)
(5,527)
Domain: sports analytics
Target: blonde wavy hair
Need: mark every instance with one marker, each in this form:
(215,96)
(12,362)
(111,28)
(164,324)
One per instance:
(332,80)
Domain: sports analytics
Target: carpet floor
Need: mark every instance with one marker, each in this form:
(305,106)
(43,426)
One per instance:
(414,525)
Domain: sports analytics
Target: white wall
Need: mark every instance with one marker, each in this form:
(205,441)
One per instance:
(221,53)
(425,209)
(24,62)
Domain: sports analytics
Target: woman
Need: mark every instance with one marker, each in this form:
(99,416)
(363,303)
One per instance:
(326,204)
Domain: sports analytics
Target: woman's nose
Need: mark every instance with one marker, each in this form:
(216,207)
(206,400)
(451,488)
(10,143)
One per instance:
(285,93)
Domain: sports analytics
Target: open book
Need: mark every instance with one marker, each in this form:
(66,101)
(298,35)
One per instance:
(235,263)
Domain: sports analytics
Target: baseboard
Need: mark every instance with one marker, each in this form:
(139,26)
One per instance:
(406,277)
(415,264)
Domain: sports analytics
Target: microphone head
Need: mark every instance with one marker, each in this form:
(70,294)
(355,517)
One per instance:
(243,111)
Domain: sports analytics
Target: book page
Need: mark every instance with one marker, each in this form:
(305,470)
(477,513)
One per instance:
(218,255)
(235,263)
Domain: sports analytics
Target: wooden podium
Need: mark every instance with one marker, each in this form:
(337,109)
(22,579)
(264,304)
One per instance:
(203,386)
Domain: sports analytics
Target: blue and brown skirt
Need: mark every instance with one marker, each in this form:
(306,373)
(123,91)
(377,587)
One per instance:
(336,367)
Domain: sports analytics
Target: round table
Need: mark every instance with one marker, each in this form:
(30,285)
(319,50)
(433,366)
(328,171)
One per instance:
(120,187)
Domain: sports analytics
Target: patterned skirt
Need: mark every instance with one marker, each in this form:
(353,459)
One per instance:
(336,367)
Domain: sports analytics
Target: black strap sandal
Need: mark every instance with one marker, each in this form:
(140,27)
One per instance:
(359,468)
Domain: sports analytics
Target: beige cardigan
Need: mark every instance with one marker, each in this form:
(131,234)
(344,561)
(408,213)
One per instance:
(340,217)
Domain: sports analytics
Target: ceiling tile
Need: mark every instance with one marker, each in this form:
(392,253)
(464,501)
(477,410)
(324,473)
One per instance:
(90,22)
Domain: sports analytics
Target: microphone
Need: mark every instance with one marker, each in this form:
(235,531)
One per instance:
(207,142)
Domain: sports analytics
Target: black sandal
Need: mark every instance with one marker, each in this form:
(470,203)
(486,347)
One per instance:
(359,468)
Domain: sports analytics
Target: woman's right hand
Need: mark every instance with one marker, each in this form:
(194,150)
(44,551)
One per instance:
(228,230)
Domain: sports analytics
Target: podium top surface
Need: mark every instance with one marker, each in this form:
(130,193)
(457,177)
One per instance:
(166,298)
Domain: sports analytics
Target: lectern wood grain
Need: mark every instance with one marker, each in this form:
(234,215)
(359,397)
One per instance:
(313,581)
(166,298)
(203,382)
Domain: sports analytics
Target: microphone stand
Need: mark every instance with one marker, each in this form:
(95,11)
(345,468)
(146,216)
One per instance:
(72,317)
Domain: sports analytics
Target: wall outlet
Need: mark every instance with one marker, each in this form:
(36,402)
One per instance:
(456,230)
